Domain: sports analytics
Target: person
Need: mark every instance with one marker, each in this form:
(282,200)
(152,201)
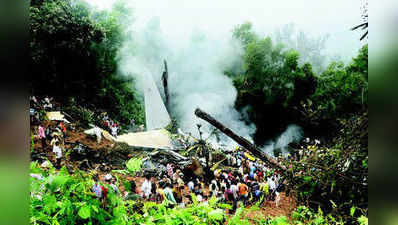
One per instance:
(177,193)
(160,196)
(114,130)
(234,189)
(48,133)
(228,194)
(230,176)
(199,197)
(272,185)
(132,125)
(213,188)
(260,175)
(243,191)
(166,179)
(191,186)
(42,136)
(97,187)
(58,153)
(257,193)
(169,170)
(272,188)
(146,187)
(264,187)
(31,114)
(217,173)
(223,184)
(63,128)
(106,123)
(133,186)
(176,176)
(110,180)
(47,103)
(169,193)
(153,195)
(233,161)
(180,182)
(98,134)
(238,160)
(252,170)
(132,195)
(229,159)
(100,191)
(241,170)
(277,198)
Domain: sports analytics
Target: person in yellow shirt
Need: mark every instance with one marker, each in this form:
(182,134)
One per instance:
(264,187)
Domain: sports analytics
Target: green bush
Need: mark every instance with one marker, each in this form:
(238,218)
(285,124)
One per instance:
(63,198)
(82,115)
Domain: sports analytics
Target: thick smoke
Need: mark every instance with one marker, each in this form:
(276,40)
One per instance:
(196,78)
(293,133)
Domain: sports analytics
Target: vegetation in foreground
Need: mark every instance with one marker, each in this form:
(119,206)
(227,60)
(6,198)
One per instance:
(58,197)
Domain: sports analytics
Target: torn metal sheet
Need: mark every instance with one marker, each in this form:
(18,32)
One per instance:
(57,116)
(156,139)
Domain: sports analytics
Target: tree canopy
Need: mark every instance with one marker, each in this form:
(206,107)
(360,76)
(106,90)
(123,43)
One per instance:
(74,53)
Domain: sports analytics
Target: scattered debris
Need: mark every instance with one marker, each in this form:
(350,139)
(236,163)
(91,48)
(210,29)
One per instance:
(57,116)
(240,140)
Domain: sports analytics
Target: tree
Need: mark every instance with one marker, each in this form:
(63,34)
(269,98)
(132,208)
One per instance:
(365,24)
(272,83)
(74,54)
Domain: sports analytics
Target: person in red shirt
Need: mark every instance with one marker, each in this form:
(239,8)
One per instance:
(260,175)
(63,128)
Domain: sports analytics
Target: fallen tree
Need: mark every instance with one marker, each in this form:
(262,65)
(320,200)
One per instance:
(240,140)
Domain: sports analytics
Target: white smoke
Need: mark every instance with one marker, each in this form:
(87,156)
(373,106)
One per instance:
(292,134)
(197,80)
(196,65)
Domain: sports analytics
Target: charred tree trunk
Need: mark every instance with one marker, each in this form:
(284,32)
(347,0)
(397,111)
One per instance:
(240,140)
(165,78)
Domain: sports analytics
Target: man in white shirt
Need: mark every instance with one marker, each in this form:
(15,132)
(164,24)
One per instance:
(191,185)
(114,131)
(98,133)
(146,187)
(234,189)
(271,183)
(58,153)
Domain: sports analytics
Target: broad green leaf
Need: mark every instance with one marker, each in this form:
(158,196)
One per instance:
(84,212)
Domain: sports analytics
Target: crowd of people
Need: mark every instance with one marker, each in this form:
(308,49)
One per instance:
(109,124)
(38,105)
(244,179)
(247,182)
(53,136)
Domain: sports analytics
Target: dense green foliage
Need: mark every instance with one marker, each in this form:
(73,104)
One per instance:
(272,82)
(134,165)
(277,91)
(74,54)
(340,90)
(62,198)
(334,178)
